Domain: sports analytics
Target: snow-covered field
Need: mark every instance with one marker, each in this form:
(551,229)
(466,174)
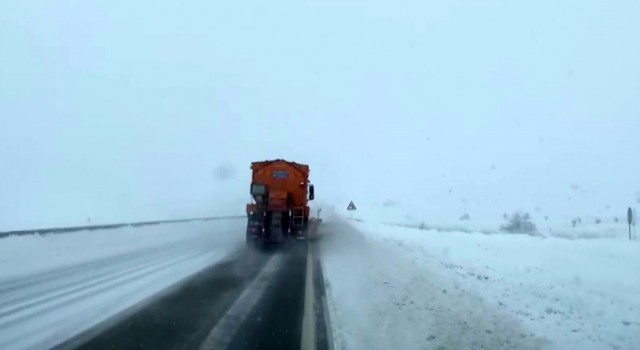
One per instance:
(483,217)
(404,288)
(55,286)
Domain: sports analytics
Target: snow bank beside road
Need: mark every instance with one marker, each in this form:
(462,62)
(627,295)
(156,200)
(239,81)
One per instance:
(557,293)
(55,286)
(380,297)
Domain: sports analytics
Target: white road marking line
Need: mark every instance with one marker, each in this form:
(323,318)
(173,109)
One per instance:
(327,312)
(221,335)
(308,339)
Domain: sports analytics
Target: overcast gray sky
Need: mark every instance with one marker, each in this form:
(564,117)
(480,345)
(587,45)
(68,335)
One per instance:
(121,110)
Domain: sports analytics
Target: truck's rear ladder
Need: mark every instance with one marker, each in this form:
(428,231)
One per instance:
(297,217)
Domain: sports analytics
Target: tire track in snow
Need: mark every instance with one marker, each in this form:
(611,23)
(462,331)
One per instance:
(21,283)
(80,290)
(41,287)
(77,297)
(42,309)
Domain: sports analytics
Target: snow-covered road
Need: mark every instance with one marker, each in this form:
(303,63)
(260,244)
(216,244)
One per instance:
(392,287)
(53,287)
(387,287)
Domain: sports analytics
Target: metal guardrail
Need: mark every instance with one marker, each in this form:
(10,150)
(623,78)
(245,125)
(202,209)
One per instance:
(111,226)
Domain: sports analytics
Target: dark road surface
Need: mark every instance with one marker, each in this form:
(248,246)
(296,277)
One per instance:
(184,316)
(277,322)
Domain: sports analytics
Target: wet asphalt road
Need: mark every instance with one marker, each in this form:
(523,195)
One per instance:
(182,317)
(276,323)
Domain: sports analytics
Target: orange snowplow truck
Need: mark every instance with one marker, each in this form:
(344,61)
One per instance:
(279,211)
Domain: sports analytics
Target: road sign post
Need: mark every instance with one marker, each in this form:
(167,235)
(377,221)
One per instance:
(630,220)
(633,222)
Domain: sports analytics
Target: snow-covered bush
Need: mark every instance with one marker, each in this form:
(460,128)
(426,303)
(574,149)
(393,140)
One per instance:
(389,203)
(519,223)
(575,222)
